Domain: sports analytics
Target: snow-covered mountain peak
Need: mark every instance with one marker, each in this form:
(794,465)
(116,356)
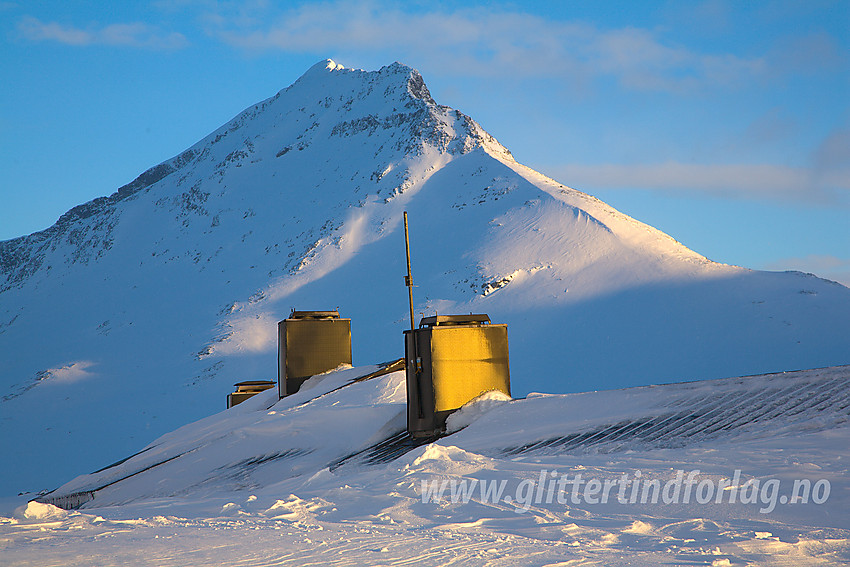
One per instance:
(327,80)
(330,114)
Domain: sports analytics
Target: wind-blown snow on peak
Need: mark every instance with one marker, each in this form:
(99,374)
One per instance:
(329,65)
(144,307)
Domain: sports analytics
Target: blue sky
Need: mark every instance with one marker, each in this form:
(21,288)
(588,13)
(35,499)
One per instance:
(725,124)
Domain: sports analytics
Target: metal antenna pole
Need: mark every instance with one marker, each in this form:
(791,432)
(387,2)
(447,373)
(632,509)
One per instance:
(408,279)
(415,360)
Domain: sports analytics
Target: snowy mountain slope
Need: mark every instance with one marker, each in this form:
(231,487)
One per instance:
(168,291)
(268,465)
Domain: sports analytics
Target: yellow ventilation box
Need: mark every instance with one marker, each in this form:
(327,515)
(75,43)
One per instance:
(309,343)
(245,390)
(451,359)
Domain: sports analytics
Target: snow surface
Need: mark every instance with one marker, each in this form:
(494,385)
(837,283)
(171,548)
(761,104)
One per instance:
(474,409)
(257,485)
(136,312)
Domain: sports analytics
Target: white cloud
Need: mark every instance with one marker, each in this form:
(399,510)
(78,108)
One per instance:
(484,42)
(832,158)
(755,181)
(809,54)
(128,35)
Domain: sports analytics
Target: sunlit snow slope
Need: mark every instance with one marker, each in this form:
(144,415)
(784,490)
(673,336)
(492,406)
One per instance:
(136,312)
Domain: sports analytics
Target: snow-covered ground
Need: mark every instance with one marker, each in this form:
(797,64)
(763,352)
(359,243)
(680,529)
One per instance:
(739,471)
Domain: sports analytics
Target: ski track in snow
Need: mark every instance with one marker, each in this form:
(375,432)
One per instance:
(82,539)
